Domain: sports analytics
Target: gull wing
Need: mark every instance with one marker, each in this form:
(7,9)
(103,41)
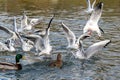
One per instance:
(93,4)
(88,4)
(69,34)
(96,14)
(48,28)
(96,47)
(31,37)
(6,30)
(46,38)
(19,36)
(24,20)
(34,22)
(15,25)
(82,37)
(36,39)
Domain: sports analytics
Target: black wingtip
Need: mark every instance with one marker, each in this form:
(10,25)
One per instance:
(101,30)
(99,5)
(50,22)
(107,43)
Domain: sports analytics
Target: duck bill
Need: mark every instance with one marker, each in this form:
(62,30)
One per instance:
(23,58)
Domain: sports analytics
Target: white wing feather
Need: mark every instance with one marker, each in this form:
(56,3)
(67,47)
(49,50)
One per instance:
(96,47)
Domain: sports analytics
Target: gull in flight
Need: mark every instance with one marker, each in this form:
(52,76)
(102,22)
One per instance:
(25,25)
(41,43)
(94,48)
(73,43)
(90,7)
(92,23)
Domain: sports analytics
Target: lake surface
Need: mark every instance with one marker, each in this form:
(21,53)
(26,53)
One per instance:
(102,66)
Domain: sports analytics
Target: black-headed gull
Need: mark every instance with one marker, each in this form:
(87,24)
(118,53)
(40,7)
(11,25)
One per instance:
(86,54)
(73,43)
(41,44)
(90,7)
(28,25)
(92,23)
(26,44)
(47,47)
(7,46)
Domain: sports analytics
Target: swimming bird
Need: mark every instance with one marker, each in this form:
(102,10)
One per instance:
(7,46)
(93,49)
(73,43)
(12,66)
(25,25)
(92,23)
(58,62)
(90,7)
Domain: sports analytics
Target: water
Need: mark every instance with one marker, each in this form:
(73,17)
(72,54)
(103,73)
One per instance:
(103,66)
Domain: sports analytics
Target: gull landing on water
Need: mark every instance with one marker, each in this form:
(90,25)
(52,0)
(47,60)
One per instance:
(46,48)
(92,23)
(41,43)
(71,38)
(86,54)
(7,46)
(25,25)
(90,7)
(27,45)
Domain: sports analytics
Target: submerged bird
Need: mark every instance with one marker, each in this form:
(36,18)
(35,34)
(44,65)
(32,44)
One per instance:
(92,23)
(12,66)
(71,38)
(86,54)
(90,7)
(28,25)
(58,62)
